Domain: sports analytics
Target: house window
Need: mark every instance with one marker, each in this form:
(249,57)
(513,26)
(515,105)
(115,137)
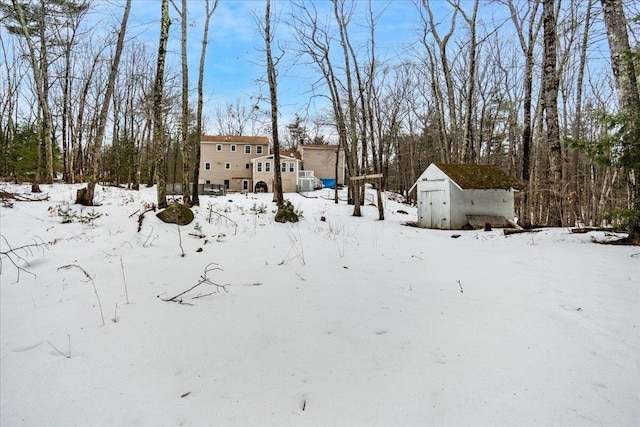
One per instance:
(283,166)
(259,149)
(267,166)
(259,167)
(247,149)
(226,184)
(247,166)
(227,165)
(207,166)
(245,184)
(234,148)
(292,167)
(219,147)
(208,181)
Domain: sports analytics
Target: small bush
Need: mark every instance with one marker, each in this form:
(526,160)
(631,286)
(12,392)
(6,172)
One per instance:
(627,220)
(288,213)
(258,209)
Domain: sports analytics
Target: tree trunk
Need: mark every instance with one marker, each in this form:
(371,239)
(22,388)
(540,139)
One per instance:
(354,186)
(196,162)
(158,95)
(278,197)
(86,197)
(184,125)
(626,79)
(550,83)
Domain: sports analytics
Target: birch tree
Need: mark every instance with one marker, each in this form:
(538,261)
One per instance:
(625,73)
(158,96)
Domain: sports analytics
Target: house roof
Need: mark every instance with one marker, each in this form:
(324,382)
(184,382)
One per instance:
(235,138)
(270,157)
(320,146)
(290,154)
(479,177)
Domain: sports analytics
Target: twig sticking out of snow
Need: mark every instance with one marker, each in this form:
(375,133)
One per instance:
(460,284)
(203,280)
(89,279)
(124,279)
(68,355)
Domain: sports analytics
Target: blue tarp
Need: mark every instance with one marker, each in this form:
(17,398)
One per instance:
(328,182)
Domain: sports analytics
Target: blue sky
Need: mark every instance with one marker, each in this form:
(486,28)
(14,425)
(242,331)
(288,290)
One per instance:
(235,60)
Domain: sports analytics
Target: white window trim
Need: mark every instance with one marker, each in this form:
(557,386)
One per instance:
(247,149)
(218,147)
(258,166)
(207,166)
(227,165)
(292,167)
(283,167)
(267,166)
(234,148)
(259,149)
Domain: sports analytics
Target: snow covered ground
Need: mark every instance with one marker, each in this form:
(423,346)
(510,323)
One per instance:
(348,321)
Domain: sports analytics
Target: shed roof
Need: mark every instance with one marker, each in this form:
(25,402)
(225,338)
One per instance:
(479,177)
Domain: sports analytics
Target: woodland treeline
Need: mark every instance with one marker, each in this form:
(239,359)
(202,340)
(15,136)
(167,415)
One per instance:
(547,90)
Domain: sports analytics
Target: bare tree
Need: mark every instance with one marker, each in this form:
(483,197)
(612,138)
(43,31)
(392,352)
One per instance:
(185,148)
(237,118)
(39,61)
(623,63)
(442,42)
(527,44)
(196,164)
(85,196)
(268,36)
(550,88)
(158,96)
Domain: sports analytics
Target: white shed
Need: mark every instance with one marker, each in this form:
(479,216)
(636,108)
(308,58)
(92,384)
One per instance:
(451,196)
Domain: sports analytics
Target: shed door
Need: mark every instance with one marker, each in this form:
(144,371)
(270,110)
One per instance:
(432,209)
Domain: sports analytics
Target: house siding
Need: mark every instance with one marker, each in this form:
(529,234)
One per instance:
(289,178)
(321,159)
(237,160)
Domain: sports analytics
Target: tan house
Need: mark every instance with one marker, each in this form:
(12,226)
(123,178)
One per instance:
(263,173)
(245,163)
(226,160)
(321,159)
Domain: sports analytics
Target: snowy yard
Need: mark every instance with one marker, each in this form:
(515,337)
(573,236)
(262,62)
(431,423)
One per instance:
(348,321)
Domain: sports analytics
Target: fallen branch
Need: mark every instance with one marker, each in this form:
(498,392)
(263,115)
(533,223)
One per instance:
(204,280)
(13,254)
(141,216)
(5,195)
(510,231)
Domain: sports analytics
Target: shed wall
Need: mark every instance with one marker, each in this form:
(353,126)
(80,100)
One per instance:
(429,192)
(489,202)
(458,207)
(456,203)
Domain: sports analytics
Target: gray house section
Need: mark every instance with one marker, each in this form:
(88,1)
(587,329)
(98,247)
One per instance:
(451,196)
